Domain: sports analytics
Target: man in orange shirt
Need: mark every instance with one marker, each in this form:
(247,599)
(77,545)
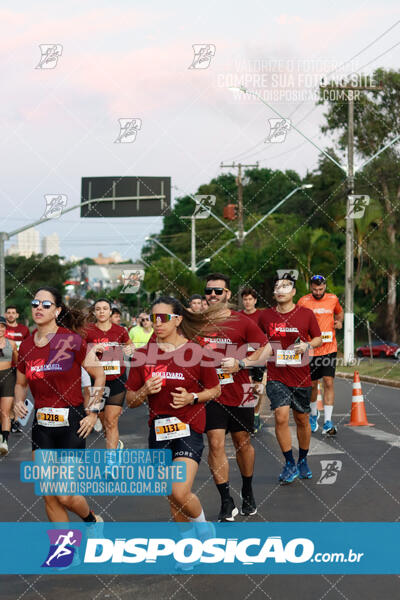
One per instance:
(329,315)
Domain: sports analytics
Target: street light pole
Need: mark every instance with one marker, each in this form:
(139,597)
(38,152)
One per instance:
(193,244)
(246,233)
(349,287)
(301,187)
(3,238)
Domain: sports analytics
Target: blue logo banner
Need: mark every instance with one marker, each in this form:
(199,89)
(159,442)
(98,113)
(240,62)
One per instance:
(200,548)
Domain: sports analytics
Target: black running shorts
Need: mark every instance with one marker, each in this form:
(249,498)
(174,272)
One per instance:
(298,398)
(230,418)
(323,366)
(56,438)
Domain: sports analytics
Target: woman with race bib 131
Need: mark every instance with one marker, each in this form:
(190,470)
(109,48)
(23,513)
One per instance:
(175,376)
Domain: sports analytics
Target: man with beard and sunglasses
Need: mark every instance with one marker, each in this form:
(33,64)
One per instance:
(329,314)
(292,331)
(233,412)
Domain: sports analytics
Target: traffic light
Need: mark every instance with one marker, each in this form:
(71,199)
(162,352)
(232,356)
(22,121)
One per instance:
(230,212)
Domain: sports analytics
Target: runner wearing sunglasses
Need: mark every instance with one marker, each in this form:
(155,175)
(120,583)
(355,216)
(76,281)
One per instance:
(176,377)
(110,341)
(329,315)
(288,328)
(50,361)
(234,410)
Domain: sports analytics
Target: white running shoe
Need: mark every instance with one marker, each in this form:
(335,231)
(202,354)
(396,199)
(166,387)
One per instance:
(3,447)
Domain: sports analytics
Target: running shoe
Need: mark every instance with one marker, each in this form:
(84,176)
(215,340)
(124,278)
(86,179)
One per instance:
(3,447)
(228,510)
(248,505)
(304,469)
(15,428)
(120,445)
(257,423)
(329,428)
(314,422)
(289,473)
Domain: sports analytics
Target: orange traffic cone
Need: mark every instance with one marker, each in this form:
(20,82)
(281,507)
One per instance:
(358,415)
(320,404)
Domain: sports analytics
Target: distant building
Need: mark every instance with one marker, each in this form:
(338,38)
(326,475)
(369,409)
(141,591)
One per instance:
(28,242)
(13,250)
(114,257)
(51,245)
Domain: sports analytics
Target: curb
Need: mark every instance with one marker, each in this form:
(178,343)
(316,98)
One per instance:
(368,379)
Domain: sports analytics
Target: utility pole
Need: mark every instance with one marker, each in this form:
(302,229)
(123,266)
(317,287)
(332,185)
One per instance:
(349,274)
(239,167)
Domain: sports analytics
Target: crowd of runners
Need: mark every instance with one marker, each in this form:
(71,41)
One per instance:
(202,369)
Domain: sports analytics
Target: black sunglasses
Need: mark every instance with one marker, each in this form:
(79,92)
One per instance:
(218,291)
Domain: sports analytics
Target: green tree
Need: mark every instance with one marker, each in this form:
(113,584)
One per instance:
(25,275)
(377,123)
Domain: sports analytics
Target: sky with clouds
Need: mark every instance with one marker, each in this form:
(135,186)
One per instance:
(126,59)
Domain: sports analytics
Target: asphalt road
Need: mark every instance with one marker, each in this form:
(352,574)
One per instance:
(367,488)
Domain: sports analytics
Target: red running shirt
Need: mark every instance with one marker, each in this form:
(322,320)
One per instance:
(231,339)
(54,371)
(112,358)
(187,367)
(17,334)
(255,316)
(282,330)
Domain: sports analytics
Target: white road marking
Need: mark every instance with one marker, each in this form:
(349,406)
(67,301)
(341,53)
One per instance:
(379,435)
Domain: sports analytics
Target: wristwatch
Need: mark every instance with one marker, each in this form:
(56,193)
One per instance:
(195,398)
(93,410)
(241,365)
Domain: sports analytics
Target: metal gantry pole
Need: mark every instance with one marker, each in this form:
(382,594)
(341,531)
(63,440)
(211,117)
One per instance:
(6,236)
